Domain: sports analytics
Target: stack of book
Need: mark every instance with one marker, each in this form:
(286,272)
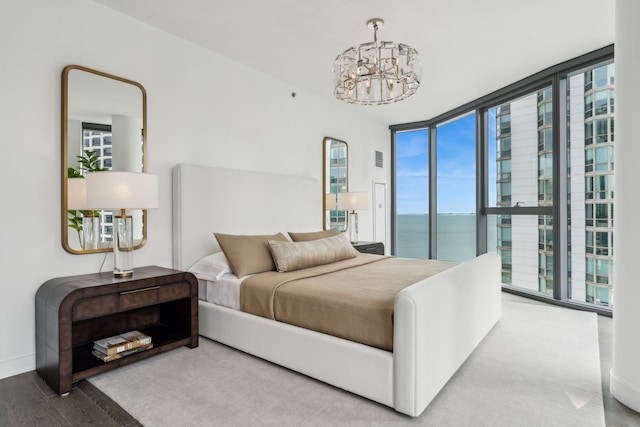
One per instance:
(119,346)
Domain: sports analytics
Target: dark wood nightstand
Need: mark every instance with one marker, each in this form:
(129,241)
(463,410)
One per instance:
(376,248)
(72,312)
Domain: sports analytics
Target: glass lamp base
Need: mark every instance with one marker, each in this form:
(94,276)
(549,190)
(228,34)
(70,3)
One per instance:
(91,232)
(122,246)
(353,227)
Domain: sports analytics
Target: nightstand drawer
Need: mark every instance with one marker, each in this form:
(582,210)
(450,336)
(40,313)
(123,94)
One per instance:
(139,297)
(174,291)
(88,308)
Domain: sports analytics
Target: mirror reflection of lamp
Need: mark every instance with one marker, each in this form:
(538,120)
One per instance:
(352,202)
(331,201)
(119,191)
(330,204)
(77,201)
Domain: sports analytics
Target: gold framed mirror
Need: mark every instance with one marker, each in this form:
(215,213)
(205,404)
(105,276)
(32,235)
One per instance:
(335,179)
(104,127)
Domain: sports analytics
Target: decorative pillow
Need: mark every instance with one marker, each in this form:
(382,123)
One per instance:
(305,237)
(248,254)
(211,268)
(290,256)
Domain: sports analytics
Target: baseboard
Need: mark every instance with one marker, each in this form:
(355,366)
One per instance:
(17,365)
(624,392)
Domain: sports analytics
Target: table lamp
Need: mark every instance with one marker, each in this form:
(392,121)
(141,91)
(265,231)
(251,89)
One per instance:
(119,191)
(351,202)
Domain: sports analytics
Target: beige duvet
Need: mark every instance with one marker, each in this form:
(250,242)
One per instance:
(351,299)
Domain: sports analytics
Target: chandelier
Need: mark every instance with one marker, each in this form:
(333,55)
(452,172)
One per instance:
(376,73)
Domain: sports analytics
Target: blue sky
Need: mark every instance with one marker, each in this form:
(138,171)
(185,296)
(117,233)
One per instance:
(456,167)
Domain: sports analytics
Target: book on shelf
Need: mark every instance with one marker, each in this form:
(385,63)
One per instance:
(122,342)
(115,356)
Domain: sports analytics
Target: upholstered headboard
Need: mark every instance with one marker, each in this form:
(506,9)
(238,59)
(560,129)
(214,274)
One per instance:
(208,199)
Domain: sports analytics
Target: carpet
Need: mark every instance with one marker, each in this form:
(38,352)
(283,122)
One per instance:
(539,366)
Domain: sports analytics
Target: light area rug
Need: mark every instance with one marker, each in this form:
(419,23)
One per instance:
(539,366)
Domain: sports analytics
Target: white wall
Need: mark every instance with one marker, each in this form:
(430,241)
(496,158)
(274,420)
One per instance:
(625,373)
(195,114)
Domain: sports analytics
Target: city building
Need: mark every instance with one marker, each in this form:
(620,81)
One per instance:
(590,142)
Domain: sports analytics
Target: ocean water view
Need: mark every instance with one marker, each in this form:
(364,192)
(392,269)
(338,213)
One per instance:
(456,236)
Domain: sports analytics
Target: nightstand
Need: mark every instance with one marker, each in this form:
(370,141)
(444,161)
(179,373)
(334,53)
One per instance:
(376,248)
(72,312)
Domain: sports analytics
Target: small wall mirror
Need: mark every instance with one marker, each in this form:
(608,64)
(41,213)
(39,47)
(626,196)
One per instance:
(104,120)
(335,165)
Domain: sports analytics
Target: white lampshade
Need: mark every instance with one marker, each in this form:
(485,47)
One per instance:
(353,201)
(122,190)
(330,203)
(76,194)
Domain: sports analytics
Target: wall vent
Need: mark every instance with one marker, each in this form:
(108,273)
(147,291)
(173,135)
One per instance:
(379,159)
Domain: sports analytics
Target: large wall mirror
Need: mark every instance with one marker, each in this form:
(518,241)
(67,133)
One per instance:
(335,170)
(104,120)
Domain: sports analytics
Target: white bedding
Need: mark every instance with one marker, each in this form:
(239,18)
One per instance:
(225,291)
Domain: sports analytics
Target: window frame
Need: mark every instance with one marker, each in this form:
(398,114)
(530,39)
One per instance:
(556,77)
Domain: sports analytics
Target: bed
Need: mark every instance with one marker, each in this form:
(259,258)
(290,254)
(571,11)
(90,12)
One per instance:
(432,337)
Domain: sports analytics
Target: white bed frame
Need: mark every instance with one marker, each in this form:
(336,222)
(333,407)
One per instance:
(438,321)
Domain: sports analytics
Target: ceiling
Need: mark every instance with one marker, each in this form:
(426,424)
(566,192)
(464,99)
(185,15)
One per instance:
(468,48)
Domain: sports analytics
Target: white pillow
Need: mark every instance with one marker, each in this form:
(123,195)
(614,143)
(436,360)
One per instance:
(211,268)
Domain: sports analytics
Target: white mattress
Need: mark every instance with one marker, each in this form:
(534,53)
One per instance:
(225,291)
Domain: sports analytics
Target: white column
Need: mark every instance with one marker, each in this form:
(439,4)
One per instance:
(625,371)
(74,143)
(126,140)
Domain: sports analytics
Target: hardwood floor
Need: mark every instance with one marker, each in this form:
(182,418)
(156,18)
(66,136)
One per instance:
(26,400)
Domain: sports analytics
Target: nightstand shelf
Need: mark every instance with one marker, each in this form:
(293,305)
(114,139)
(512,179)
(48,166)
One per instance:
(72,312)
(376,248)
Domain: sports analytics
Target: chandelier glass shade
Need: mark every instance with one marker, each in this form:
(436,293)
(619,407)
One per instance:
(378,72)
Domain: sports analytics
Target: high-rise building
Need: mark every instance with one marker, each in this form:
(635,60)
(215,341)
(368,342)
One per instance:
(591,147)
(524,131)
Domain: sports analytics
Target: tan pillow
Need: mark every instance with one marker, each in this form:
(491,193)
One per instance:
(305,237)
(248,254)
(290,256)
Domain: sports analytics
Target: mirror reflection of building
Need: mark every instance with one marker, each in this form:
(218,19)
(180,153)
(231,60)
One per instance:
(335,173)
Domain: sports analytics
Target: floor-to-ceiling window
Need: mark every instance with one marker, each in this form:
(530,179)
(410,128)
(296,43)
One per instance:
(539,183)
(456,188)
(521,156)
(454,210)
(412,194)
(591,102)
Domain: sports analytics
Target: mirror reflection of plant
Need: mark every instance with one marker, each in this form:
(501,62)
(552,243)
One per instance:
(89,161)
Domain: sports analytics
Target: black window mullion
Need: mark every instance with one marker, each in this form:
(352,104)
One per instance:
(394,182)
(560,208)
(433,195)
(521,210)
(482,180)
